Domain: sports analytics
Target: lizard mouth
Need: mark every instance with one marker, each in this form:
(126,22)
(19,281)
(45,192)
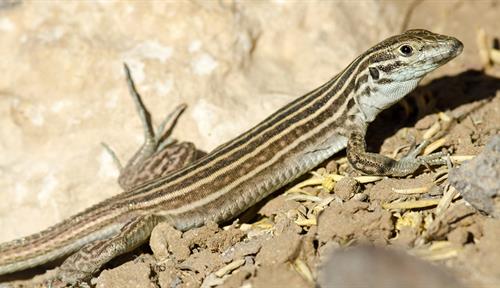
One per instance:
(452,49)
(458,46)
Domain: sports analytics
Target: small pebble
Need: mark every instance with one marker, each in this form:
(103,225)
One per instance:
(360,197)
(321,171)
(346,187)
(332,167)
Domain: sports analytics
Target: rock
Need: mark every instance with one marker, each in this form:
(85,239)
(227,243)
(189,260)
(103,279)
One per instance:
(277,275)
(165,239)
(131,274)
(346,188)
(478,179)
(379,268)
(280,249)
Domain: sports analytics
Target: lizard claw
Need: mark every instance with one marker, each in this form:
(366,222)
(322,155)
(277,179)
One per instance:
(412,161)
(432,159)
(415,151)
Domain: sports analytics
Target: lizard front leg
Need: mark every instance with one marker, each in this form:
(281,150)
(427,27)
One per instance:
(376,164)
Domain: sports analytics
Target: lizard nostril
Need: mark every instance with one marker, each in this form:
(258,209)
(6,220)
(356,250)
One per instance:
(457,45)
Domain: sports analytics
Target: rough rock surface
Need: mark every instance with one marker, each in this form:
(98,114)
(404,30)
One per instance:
(478,180)
(376,267)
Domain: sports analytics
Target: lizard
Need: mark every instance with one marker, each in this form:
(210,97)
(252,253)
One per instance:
(238,174)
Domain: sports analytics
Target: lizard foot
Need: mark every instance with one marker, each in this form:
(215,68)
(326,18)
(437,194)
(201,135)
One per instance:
(412,161)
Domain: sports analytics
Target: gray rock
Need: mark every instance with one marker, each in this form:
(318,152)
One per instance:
(366,266)
(478,180)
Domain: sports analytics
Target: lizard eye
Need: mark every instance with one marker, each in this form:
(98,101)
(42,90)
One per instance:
(406,50)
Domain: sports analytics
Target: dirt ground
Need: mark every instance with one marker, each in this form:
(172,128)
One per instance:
(336,228)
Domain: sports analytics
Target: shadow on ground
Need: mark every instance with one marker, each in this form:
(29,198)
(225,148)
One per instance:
(442,94)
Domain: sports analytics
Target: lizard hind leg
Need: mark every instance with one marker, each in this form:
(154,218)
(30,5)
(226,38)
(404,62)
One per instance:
(80,266)
(160,154)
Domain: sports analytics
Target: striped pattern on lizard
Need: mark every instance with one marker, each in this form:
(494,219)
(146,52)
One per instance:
(241,172)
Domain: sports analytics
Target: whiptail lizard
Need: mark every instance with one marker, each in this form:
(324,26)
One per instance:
(238,174)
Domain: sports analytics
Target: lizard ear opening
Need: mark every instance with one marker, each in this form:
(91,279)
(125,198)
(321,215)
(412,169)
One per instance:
(374,73)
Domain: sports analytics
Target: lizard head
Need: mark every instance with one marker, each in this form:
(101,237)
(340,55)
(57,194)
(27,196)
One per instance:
(395,66)
(411,55)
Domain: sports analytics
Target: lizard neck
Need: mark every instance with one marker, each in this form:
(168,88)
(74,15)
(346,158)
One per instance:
(375,97)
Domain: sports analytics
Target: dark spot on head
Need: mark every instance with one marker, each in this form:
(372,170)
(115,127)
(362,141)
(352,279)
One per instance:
(390,67)
(352,118)
(374,73)
(385,81)
(350,103)
(367,91)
